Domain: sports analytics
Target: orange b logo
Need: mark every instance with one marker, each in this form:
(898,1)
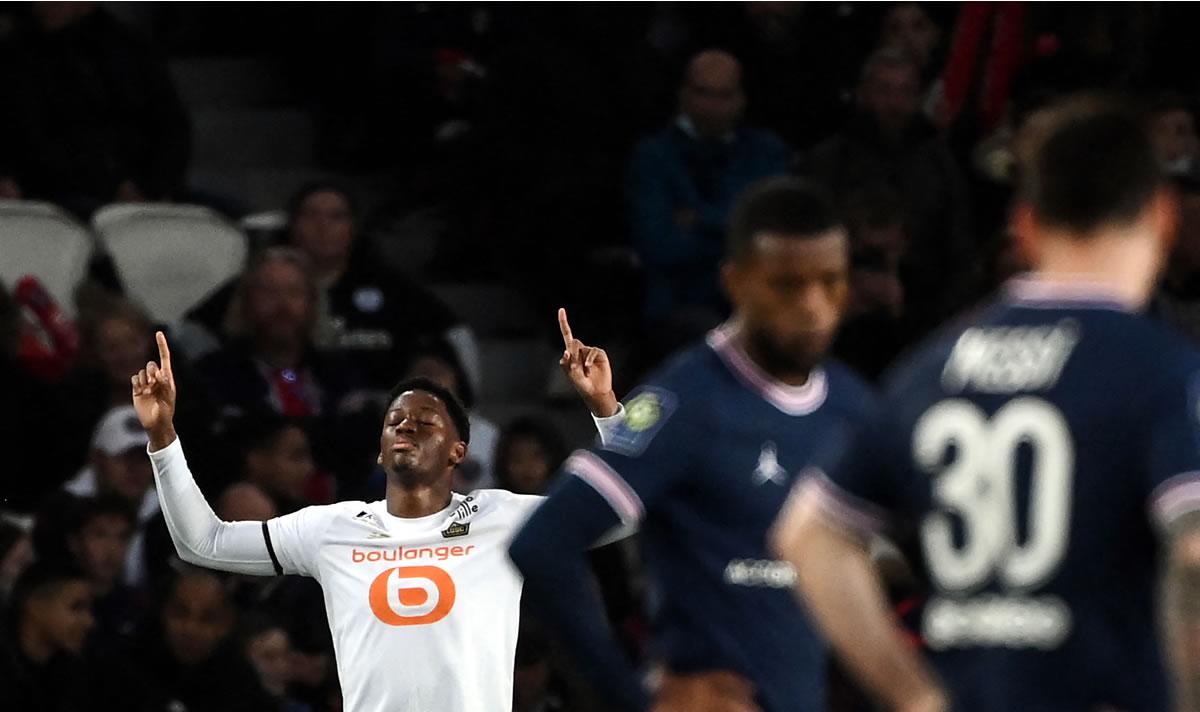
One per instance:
(412,595)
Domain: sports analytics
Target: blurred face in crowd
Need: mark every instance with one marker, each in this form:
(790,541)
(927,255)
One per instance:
(243,501)
(100,546)
(790,293)
(323,228)
(197,618)
(1184,264)
(61,615)
(419,441)
(57,15)
(121,347)
(1175,141)
(436,370)
(527,465)
(285,465)
(908,29)
(270,654)
(711,95)
(890,93)
(279,305)
(128,475)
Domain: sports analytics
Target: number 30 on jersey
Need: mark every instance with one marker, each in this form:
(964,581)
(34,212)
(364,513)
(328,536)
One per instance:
(978,486)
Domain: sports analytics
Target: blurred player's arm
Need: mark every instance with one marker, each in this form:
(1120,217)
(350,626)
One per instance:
(200,537)
(846,597)
(1181,598)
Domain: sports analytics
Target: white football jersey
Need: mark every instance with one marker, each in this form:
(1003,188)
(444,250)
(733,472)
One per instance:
(424,612)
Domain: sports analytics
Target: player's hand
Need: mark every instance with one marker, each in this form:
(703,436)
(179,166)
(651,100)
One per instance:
(930,701)
(715,691)
(154,396)
(589,370)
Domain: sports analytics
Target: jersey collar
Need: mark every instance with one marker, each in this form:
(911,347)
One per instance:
(792,400)
(1030,290)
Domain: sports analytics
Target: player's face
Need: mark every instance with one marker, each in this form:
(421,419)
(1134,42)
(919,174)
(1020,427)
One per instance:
(419,439)
(790,294)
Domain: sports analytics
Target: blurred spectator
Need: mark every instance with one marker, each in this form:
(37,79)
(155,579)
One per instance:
(117,339)
(528,455)
(193,663)
(271,361)
(890,146)
(265,644)
(95,113)
(436,361)
(1177,300)
(1173,130)
(40,658)
(99,540)
(272,365)
(683,180)
(16,554)
(245,501)
(873,331)
(277,460)
(907,27)
(374,316)
(31,424)
(119,468)
(534,683)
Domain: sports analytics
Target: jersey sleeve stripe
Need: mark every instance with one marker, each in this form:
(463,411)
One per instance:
(271,550)
(610,485)
(841,506)
(1175,497)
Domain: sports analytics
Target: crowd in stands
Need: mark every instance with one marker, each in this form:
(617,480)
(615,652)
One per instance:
(583,155)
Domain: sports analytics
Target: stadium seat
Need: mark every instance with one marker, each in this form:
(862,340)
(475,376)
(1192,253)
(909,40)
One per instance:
(42,240)
(169,257)
(491,309)
(514,369)
(224,139)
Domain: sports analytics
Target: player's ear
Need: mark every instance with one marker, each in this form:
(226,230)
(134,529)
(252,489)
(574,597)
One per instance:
(379,460)
(1164,212)
(731,279)
(458,453)
(1022,226)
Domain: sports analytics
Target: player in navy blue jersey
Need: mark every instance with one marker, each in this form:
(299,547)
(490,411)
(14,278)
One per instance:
(1046,452)
(702,463)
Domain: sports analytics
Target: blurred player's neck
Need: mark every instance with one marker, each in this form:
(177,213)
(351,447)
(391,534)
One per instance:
(411,500)
(1124,260)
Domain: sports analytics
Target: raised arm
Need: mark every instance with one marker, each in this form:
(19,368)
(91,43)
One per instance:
(590,372)
(200,537)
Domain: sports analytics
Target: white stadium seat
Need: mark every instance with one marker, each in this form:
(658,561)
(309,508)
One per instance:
(43,240)
(169,257)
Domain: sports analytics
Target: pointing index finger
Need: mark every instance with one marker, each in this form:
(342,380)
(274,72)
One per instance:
(564,327)
(164,351)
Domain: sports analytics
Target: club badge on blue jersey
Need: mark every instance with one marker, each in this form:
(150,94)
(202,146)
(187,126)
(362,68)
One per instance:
(645,415)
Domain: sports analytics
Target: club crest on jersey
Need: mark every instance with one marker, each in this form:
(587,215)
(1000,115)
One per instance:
(456,529)
(645,415)
(768,468)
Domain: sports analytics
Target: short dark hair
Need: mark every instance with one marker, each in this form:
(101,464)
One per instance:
(306,191)
(40,578)
(454,407)
(1091,163)
(88,509)
(785,206)
(534,428)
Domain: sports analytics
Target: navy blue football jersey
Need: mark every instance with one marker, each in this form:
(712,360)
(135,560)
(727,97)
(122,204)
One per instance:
(703,462)
(1036,449)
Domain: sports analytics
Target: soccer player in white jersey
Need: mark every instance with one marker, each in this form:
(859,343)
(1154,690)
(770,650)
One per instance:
(423,602)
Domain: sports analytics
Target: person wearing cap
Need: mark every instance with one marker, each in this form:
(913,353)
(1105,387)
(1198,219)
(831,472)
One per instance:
(117,466)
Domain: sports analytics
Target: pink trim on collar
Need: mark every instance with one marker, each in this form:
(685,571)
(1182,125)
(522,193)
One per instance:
(793,400)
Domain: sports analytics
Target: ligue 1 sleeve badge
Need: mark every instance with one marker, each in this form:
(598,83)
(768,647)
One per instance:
(643,412)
